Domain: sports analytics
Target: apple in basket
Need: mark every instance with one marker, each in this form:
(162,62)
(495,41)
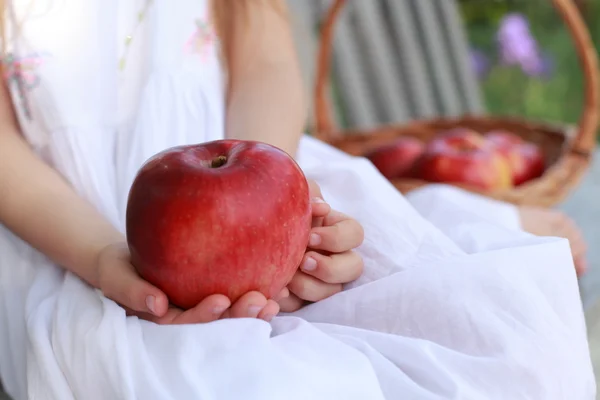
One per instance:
(462,156)
(397,159)
(223,217)
(526,159)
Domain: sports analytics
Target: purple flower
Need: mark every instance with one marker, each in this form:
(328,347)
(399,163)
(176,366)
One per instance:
(518,47)
(547,67)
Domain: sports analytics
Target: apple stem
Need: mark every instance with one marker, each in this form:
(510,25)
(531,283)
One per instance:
(218,162)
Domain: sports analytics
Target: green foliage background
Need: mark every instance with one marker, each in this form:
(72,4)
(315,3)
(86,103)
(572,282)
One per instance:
(507,90)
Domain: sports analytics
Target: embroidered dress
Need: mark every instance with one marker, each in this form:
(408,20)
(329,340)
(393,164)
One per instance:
(455,301)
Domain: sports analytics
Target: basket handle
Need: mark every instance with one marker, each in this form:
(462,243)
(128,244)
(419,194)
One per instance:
(324,126)
(583,143)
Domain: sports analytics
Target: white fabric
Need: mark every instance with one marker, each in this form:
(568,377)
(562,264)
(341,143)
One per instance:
(455,301)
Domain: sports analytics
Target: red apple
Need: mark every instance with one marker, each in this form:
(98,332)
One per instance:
(396,159)
(526,160)
(461,156)
(224,217)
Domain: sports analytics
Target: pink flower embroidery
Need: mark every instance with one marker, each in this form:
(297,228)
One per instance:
(201,40)
(21,72)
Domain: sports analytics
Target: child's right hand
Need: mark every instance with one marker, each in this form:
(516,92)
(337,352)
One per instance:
(119,281)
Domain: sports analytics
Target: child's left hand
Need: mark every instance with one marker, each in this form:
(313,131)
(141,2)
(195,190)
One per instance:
(330,260)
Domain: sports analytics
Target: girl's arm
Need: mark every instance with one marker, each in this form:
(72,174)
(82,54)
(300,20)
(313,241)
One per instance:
(266,102)
(265,96)
(39,206)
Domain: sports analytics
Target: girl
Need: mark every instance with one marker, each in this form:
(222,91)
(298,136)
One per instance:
(94,88)
(84,241)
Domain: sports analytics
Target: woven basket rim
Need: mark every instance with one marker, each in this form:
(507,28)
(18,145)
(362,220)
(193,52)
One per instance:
(587,125)
(578,141)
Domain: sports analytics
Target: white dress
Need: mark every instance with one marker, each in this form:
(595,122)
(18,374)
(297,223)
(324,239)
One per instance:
(455,302)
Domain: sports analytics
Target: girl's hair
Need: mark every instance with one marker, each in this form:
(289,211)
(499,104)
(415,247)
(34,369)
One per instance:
(2,28)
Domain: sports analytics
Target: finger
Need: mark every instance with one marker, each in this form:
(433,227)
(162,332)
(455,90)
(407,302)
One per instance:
(581,266)
(291,303)
(248,306)
(564,226)
(344,235)
(210,309)
(579,249)
(129,312)
(577,243)
(147,316)
(314,189)
(319,207)
(269,311)
(335,217)
(122,284)
(165,319)
(335,268)
(312,289)
(282,295)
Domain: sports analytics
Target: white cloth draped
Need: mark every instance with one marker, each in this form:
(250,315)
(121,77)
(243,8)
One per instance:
(455,301)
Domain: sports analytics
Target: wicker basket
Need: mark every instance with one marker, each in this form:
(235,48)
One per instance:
(568,150)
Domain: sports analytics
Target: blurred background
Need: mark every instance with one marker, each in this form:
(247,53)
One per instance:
(400,60)
(524,58)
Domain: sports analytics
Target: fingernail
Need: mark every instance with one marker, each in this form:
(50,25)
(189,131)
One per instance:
(318,200)
(268,317)
(310,264)
(151,304)
(254,310)
(218,310)
(314,240)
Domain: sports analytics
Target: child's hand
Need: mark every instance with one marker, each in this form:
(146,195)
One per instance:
(119,281)
(330,260)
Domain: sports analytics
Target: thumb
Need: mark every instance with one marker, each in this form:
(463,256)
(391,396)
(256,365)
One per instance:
(127,288)
(318,205)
